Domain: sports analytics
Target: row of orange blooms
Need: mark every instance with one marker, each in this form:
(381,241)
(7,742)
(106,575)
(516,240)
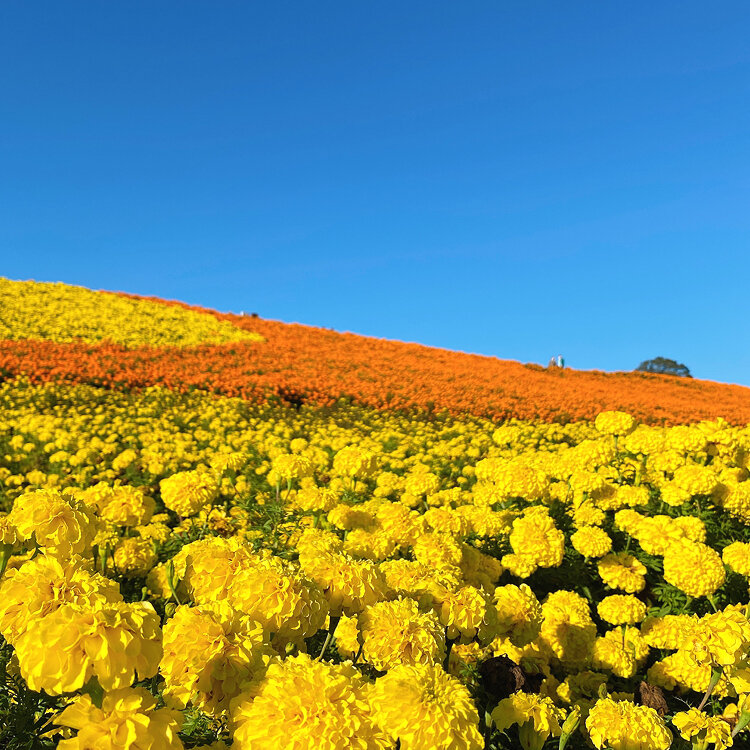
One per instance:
(304,364)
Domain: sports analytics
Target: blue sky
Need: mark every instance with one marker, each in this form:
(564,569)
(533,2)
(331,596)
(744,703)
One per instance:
(518,179)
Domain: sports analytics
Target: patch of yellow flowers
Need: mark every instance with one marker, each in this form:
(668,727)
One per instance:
(63,313)
(341,578)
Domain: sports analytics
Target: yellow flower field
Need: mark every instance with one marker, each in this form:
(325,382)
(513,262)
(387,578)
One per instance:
(63,313)
(207,572)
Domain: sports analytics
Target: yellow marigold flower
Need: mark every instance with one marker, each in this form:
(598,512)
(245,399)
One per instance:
(703,730)
(696,479)
(520,566)
(302,704)
(591,541)
(519,613)
(369,545)
(737,557)
(620,609)
(320,540)
(621,570)
(286,604)
(535,536)
(397,632)
(423,707)
(447,521)
(354,462)
(537,718)
(157,582)
(349,585)
(568,631)
(207,567)
(622,651)
(674,495)
(485,521)
(289,466)
(114,641)
(124,459)
(101,495)
(624,726)
(8,534)
(127,506)
(690,527)
(157,532)
(188,491)
(478,569)
(587,514)
(615,423)
(693,568)
(408,578)
(60,524)
(437,550)
(720,638)
(210,653)
(127,720)
(467,613)
(348,640)
(45,583)
(668,632)
(316,499)
(681,670)
(134,556)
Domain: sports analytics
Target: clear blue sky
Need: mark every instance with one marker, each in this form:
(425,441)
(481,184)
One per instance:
(519,179)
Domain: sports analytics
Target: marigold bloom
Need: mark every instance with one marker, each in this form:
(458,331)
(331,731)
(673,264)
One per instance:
(188,491)
(615,423)
(60,524)
(591,541)
(519,613)
(127,720)
(355,462)
(301,704)
(693,568)
(536,537)
(620,609)
(397,632)
(622,725)
(125,505)
(134,556)
(287,605)
(537,718)
(698,727)
(210,653)
(737,557)
(424,707)
(114,641)
(349,585)
(622,651)
(621,570)
(39,586)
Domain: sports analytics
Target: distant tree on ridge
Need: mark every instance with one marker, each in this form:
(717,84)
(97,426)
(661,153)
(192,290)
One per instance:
(664,366)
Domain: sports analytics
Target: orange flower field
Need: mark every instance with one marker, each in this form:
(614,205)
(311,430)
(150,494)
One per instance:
(299,363)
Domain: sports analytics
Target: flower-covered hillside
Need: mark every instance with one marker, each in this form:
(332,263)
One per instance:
(302,364)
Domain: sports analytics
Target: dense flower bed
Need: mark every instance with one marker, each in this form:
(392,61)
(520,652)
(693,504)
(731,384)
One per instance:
(63,313)
(301,364)
(205,571)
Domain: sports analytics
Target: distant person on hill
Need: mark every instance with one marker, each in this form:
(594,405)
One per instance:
(560,361)
(552,362)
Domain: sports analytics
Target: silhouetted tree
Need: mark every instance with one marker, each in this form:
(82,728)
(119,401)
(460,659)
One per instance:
(664,366)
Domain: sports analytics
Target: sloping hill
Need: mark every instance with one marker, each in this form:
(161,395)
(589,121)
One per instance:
(304,364)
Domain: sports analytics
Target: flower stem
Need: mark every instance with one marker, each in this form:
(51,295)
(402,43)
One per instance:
(716,672)
(331,628)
